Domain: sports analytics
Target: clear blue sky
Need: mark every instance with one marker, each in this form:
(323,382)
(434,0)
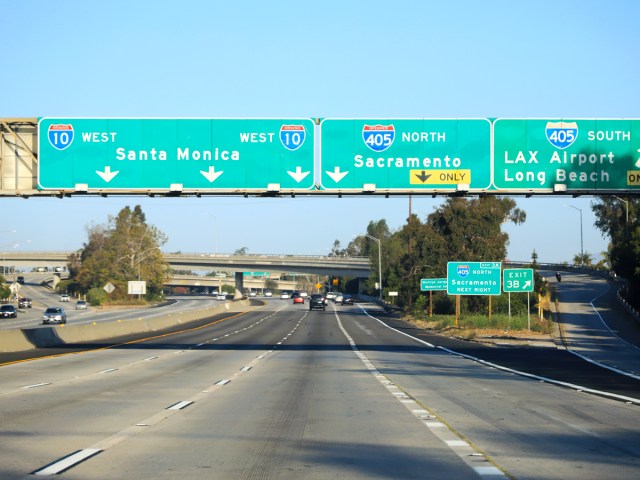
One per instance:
(340,59)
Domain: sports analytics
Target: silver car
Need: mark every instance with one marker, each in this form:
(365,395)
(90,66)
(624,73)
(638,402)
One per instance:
(54,315)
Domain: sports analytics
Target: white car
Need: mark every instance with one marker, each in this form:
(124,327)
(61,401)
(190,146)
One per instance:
(64,297)
(304,294)
(268,294)
(221,296)
(284,295)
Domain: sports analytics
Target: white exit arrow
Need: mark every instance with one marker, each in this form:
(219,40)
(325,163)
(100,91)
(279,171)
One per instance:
(298,175)
(211,174)
(527,284)
(638,161)
(336,175)
(107,175)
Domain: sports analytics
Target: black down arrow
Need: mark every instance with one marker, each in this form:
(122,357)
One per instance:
(423,177)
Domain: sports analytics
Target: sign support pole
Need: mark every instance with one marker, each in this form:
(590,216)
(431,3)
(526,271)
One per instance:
(457,310)
(528,312)
(430,303)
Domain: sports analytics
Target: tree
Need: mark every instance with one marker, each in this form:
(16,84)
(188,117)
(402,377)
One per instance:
(617,219)
(125,249)
(5,291)
(241,251)
(461,229)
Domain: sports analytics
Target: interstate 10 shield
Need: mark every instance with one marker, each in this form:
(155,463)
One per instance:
(60,136)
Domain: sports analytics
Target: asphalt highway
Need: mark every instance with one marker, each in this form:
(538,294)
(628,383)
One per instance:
(281,392)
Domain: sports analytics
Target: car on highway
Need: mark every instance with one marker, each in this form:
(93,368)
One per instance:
(338,298)
(221,296)
(20,279)
(81,305)
(8,311)
(347,300)
(318,302)
(285,295)
(304,294)
(24,302)
(268,294)
(252,294)
(297,298)
(54,315)
(65,298)
(332,295)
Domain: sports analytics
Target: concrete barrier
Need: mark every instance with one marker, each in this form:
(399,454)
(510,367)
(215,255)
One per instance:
(59,335)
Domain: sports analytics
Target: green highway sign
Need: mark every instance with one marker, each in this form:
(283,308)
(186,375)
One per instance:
(518,280)
(560,155)
(473,278)
(420,155)
(433,284)
(225,155)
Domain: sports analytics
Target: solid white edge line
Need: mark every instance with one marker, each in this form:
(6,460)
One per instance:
(516,372)
(67,462)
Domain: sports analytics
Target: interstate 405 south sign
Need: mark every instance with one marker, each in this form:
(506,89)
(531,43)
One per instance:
(566,155)
(405,155)
(226,155)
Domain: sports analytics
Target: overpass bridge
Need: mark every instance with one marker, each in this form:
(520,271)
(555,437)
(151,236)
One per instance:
(238,264)
(309,264)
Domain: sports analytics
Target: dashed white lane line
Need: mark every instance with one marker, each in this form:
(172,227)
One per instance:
(76,458)
(36,385)
(180,405)
(66,463)
(460,447)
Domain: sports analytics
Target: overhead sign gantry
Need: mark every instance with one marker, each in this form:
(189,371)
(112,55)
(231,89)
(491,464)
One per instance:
(65,156)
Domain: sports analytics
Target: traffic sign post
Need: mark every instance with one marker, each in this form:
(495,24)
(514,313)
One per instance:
(519,280)
(423,155)
(201,155)
(563,155)
(474,278)
(431,284)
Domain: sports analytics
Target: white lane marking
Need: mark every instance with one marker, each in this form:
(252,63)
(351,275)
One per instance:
(511,370)
(149,358)
(68,462)
(180,405)
(108,370)
(123,435)
(36,385)
(460,447)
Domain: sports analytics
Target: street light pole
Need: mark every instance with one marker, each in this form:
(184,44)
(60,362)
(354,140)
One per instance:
(379,264)
(581,242)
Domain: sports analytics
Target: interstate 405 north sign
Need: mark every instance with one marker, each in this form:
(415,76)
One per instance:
(185,154)
(405,155)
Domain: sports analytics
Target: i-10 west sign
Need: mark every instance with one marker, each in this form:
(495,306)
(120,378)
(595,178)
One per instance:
(405,155)
(226,155)
(566,155)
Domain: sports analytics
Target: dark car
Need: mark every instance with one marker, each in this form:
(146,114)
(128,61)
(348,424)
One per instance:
(347,300)
(24,302)
(54,315)
(8,311)
(317,301)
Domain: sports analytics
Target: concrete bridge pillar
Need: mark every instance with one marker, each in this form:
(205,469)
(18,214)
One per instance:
(239,285)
